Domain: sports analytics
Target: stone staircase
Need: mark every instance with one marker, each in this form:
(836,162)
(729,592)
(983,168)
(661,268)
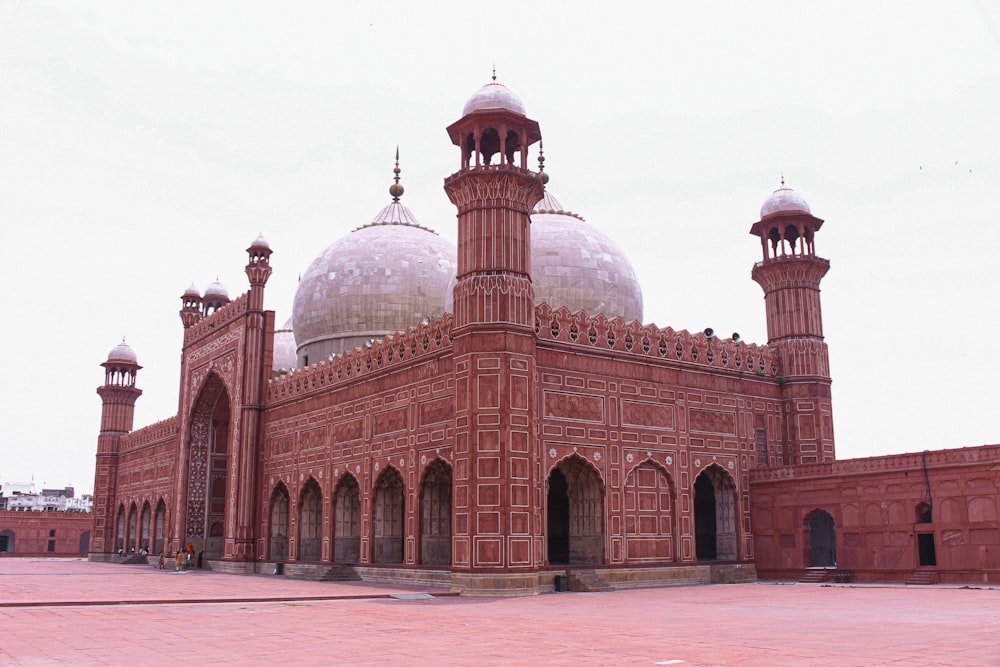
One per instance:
(134,559)
(923,576)
(586,581)
(305,572)
(815,575)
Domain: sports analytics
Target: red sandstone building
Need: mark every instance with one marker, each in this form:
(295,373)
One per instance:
(496,415)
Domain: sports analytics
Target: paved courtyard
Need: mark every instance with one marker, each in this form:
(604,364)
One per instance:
(71,612)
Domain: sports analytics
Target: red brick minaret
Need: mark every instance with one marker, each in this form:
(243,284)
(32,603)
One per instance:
(119,395)
(790,274)
(497,516)
(259,346)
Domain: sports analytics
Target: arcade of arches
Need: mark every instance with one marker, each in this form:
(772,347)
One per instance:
(575,517)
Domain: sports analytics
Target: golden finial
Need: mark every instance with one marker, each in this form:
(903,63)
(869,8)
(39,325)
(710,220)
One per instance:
(396,190)
(542,176)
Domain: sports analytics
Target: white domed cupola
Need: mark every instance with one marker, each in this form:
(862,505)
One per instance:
(787,226)
(494,127)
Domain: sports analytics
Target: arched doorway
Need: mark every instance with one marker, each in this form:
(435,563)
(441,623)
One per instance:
(575,519)
(822,540)
(715,515)
(120,530)
(388,518)
(435,515)
(279,524)
(84,542)
(347,521)
(310,546)
(159,527)
(6,541)
(208,468)
(144,525)
(649,517)
(130,536)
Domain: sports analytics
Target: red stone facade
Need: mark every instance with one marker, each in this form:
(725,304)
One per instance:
(501,446)
(45,533)
(931,515)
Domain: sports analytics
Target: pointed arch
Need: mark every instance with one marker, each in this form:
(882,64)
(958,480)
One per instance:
(575,513)
(159,527)
(715,514)
(84,542)
(278,525)
(347,520)
(120,529)
(145,524)
(130,534)
(388,517)
(821,538)
(208,466)
(649,514)
(435,514)
(310,542)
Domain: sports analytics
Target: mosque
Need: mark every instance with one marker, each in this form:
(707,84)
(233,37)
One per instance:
(497,418)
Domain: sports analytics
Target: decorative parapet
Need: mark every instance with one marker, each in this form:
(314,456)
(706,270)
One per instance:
(939,458)
(217,320)
(397,349)
(148,435)
(649,341)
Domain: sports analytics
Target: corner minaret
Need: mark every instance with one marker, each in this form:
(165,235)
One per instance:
(789,274)
(119,395)
(497,522)
(494,201)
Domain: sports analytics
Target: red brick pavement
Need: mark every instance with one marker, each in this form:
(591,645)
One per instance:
(750,624)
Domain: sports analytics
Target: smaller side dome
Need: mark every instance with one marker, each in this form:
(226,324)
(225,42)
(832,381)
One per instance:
(216,289)
(784,200)
(260,242)
(494,96)
(122,352)
(192,290)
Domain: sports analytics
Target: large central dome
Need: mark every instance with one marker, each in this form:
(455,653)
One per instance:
(573,264)
(377,280)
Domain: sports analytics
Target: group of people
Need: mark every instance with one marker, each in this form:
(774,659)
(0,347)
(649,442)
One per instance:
(182,559)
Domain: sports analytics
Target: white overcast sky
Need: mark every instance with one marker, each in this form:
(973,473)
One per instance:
(143,146)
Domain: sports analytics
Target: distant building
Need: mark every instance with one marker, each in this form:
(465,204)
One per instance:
(22,497)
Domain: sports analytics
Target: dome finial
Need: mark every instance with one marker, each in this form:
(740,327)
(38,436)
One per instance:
(543,178)
(494,71)
(396,190)
(782,179)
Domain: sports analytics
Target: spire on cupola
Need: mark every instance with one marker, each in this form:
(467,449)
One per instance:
(396,190)
(395,213)
(543,177)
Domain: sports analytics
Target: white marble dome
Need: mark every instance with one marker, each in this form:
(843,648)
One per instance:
(377,280)
(122,352)
(784,200)
(574,264)
(494,96)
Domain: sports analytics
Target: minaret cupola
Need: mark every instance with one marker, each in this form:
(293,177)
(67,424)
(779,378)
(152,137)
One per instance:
(192,305)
